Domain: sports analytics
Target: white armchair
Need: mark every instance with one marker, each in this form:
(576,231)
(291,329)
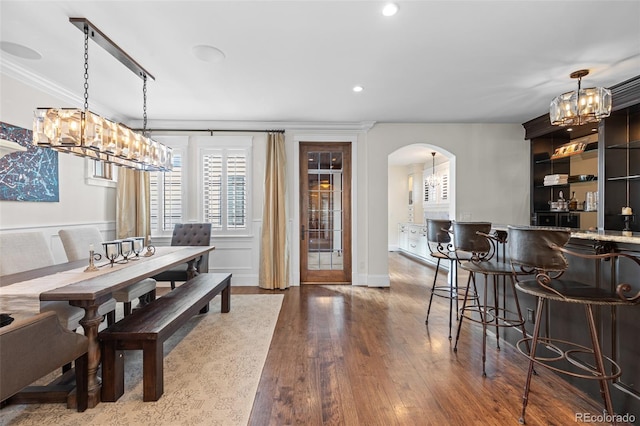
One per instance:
(23,251)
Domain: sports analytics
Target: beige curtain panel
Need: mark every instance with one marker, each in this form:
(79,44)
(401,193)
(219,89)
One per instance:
(133,216)
(274,248)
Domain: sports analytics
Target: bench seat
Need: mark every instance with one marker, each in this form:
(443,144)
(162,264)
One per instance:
(147,329)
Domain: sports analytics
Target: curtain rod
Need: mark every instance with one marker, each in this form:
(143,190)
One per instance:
(211,131)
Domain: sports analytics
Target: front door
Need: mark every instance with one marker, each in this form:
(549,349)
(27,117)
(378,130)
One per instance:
(325,213)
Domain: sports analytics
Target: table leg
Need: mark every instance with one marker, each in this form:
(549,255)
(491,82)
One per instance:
(192,271)
(90,323)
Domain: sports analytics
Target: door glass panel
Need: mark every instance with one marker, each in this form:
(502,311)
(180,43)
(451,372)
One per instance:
(325,217)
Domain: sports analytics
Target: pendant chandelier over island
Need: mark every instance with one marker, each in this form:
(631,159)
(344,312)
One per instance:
(582,106)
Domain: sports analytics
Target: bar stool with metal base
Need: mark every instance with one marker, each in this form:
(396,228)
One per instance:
(542,250)
(441,248)
(473,241)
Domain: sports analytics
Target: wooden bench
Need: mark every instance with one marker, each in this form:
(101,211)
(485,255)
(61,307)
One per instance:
(147,328)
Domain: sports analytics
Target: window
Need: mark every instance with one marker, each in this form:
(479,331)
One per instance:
(99,173)
(102,170)
(224,188)
(166,196)
(444,187)
(209,183)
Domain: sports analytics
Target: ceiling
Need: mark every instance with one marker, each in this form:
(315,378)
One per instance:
(297,61)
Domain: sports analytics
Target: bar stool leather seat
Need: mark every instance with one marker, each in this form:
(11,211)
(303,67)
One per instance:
(479,252)
(441,248)
(542,250)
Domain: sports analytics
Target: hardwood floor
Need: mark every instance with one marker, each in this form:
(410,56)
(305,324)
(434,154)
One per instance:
(345,355)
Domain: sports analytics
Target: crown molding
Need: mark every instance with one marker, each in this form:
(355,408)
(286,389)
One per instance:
(13,69)
(173,126)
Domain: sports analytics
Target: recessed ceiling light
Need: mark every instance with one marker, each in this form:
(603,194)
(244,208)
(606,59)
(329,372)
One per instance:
(358,89)
(19,50)
(208,53)
(390,9)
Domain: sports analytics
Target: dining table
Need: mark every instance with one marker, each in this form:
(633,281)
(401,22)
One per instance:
(73,282)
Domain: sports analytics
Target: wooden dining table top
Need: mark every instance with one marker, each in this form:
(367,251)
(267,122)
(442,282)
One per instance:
(68,281)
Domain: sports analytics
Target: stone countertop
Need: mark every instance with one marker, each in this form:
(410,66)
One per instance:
(584,234)
(614,236)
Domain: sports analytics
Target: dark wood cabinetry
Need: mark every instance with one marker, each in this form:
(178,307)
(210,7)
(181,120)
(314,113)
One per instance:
(581,170)
(621,162)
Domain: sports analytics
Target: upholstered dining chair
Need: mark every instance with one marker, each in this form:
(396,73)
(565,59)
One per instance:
(188,234)
(76,243)
(23,251)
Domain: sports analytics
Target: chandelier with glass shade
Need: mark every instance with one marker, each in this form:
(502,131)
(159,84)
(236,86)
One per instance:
(83,133)
(432,180)
(582,106)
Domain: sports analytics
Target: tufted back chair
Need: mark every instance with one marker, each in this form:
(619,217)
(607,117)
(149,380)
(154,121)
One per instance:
(191,234)
(188,234)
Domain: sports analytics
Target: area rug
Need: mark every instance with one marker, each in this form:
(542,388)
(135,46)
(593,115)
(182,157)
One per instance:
(212,367)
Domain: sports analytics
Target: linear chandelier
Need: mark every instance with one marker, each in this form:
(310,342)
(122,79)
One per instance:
(83,133)
(582,106)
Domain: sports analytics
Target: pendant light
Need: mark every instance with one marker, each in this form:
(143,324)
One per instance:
(83,133)
(433,180)
(582,106)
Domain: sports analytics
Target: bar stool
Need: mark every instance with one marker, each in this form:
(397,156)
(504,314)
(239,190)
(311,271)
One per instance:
(478,252)
(441,248)
(543,251)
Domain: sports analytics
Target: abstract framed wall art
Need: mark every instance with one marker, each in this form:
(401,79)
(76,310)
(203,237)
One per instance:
(31,175)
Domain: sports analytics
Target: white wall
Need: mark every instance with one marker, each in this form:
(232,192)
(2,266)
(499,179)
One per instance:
(490,176)
(397,202)
(79,202)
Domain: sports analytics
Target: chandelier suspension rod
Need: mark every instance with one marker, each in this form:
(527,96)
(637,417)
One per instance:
(211,131)
(107,44)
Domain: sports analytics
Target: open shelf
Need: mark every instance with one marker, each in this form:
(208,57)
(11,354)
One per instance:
(572,180)
(546,157)
(629,145)
(632,177)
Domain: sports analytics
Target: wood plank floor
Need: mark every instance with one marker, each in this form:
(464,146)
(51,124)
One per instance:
(345,355)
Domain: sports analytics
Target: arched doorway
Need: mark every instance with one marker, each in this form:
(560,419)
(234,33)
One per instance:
(411,199)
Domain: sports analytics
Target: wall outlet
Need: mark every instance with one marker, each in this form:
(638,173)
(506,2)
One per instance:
(531,316)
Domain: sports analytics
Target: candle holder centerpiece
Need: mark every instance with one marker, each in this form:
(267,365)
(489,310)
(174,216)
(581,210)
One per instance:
(151,250)
(126,249)
(112,250)
(93,256)
(138,246)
